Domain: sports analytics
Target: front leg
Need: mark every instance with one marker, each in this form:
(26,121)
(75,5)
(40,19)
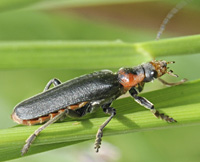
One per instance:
(172,84)
(147,104)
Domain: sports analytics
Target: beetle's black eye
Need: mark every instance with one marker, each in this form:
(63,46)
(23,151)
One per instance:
(154,74)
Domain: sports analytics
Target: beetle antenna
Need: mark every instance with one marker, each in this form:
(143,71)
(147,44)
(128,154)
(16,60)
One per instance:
(171,13)
(171,62)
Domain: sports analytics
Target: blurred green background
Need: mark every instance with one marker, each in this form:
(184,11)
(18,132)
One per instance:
(128,21)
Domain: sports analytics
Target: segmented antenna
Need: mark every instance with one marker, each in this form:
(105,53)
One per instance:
(171,13)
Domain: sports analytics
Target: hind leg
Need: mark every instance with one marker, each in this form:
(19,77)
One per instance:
(36,133)
(60,116)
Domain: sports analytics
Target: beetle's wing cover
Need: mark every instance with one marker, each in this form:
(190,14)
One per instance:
(91,87)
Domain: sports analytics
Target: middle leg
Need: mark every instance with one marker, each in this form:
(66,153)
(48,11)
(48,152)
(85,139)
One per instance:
(112,112)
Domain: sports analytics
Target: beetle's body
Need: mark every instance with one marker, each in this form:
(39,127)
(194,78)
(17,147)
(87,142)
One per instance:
(84,94)
(99,87)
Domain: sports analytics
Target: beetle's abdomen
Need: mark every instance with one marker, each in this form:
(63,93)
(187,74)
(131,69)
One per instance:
(39,120)
(45,118)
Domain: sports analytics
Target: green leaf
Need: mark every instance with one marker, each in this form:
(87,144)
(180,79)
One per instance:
(91,55)
(44,4)
(171,47)
(10,4)
(77,3)
(180,102)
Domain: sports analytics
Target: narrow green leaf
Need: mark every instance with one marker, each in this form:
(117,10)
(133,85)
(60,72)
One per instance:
(10,4)
(45,4)
(91,55)
(173,46)
(77,3)
(181,102)
(62,54)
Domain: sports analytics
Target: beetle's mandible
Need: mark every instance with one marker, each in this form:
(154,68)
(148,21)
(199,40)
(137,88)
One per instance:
(82,95)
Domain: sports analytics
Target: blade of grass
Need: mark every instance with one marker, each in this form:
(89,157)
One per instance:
(46,4)
(173,46)
(71,55)
(78,3)
(10,4)
(91,55)
(182,102)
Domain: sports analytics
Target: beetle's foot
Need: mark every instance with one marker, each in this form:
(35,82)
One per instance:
(163,116)
(28,144)
(98,140)
(25,149)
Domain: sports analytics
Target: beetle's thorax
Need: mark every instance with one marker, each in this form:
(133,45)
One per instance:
(130,77)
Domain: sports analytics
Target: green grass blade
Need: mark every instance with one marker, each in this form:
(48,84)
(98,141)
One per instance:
(91,55)
(10,4)
(71,55)
(171,47)
(78,3)
(181,102)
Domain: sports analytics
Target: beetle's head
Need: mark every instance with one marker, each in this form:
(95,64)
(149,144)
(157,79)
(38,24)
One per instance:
(156,69)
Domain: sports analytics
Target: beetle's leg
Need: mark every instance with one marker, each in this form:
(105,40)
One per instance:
(172,84)
(36,133)
(112,112)
(140,86)
(147,104)
(53,81)
(79,112)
